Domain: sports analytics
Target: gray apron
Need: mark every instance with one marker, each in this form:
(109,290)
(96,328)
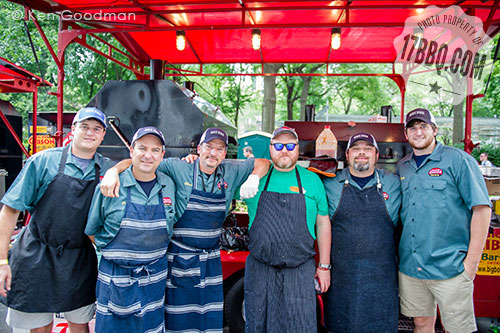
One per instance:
(279,274)
(363,296)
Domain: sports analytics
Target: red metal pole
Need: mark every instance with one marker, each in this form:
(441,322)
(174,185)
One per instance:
(35,117)
(403,94)
(60,105)
(14,134)
(468,145)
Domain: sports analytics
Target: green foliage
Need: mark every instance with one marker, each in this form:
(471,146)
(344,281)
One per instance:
(492,151)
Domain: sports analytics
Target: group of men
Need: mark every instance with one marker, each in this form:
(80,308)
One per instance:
(157,222)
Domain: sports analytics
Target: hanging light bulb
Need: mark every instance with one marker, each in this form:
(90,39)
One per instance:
(420,10)
(180,40)
(335,38)
(256,39)
(419,35)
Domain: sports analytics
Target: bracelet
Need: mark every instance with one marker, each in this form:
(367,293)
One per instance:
(4,262)
(325,266)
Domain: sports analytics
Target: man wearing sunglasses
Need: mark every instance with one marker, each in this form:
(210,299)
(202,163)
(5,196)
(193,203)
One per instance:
(364,205)
(288,213)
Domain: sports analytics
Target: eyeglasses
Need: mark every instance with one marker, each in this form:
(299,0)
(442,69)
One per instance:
(289,146)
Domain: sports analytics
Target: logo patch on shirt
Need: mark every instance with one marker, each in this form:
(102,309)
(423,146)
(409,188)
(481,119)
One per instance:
(385,195)
(101,177)
(167,201)
(219,186)
(188,184)
(435,172)
(296,189)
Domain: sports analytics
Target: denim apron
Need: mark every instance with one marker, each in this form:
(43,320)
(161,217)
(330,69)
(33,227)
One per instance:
(195,298)
(363,296)
(133,272)
(279,274)
(54,265)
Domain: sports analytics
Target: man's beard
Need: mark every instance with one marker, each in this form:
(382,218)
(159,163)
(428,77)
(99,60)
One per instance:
(361,167)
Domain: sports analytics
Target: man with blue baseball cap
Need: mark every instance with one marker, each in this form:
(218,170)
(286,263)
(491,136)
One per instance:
(52,267)
(364,204)
(204,191)
(446,215)
(132,232)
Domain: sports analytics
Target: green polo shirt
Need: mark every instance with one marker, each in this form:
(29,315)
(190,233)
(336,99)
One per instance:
(234,173)
(106,214)
(436,212)
(391,190)
(39,171)
(286,182)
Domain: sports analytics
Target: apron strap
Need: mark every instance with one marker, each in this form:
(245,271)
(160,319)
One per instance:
(64,157)
(299,183)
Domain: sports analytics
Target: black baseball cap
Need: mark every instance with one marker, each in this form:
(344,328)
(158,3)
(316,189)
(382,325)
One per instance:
(148,130)
(213,133)
(362,137)
(420,114)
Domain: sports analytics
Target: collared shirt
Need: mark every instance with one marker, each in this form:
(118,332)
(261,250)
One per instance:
(106,214)
(437,208)
(234,173)
(39,171)
(391,190)
(286,182)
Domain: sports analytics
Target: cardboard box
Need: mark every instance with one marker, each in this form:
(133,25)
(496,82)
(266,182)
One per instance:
(493,185)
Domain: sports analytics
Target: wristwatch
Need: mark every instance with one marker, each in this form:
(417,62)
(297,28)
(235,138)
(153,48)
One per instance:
(325,266)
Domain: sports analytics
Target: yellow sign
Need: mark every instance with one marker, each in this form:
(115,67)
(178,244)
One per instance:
(490,259)
(39,129)
(42,142)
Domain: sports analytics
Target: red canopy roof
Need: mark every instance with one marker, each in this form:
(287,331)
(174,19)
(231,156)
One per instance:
(291,31)
(15,79)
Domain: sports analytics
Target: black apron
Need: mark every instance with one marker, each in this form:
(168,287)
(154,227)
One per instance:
(279,274)
(363,295)
(54,265)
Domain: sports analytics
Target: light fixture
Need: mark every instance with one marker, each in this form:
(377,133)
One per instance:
(180,40)
(335,38)
(419,35)
(420,10)
(256,39)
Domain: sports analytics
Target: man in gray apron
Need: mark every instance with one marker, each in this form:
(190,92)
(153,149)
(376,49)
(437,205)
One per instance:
(364,207)
(52,266)
(287,214)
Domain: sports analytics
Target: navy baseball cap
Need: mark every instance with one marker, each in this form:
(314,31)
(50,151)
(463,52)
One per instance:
(362,137)
(148,130)
(420,114)
(213,133)
(284,129)
(90,113)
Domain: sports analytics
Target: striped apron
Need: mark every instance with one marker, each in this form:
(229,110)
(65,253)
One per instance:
(133,272)
(195,299)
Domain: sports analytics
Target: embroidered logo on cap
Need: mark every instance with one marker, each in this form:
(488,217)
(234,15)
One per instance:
(435,172)
(385,195)
(167,201)
(225,185)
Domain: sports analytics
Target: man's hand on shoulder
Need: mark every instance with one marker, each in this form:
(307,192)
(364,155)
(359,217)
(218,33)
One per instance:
(250,187)
(190,158)
(110,184)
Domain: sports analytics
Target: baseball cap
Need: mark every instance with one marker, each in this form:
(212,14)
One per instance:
(90,113)
(148,130)
(420,114)
(364,137)
(285,129)
(213,133)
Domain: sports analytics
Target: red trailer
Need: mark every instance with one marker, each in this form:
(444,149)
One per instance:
(221,32)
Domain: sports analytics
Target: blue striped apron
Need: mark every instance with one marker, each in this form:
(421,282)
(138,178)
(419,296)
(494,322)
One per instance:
(133,272)
(195,300)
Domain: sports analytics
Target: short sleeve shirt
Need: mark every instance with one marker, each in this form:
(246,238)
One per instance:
(286,182)
(106,214)
(391,191)
(436,212)
(230,174)
(39,171)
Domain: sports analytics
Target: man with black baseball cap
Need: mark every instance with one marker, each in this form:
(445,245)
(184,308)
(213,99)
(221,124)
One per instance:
(446,215)
(288,213)
(364,204)
(53,265)
(204,191)
(132,232)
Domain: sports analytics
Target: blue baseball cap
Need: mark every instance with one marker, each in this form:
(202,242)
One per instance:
(148,130)
(213,133)
(362,137)
(90,113)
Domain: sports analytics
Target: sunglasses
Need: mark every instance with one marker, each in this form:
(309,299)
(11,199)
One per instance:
(280,146)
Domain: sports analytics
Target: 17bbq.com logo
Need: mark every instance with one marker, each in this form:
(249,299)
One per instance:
(445,52)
